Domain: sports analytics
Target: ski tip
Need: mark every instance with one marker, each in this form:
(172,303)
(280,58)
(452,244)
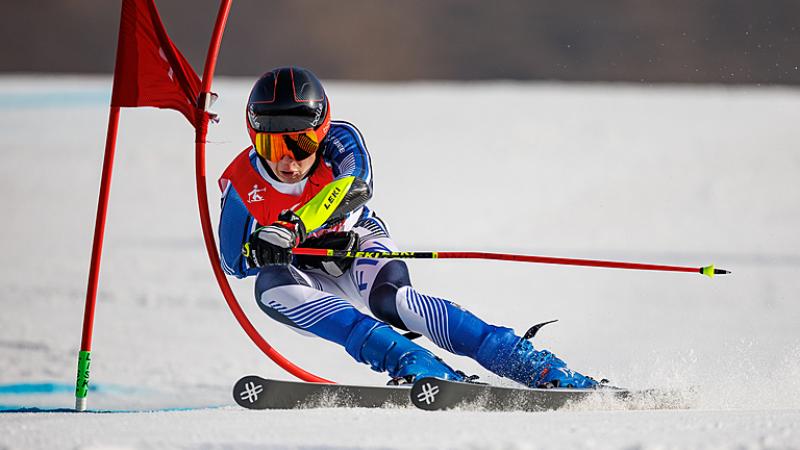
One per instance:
(710,271)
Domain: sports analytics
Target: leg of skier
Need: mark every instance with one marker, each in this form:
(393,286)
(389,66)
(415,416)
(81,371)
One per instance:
(294,298)
(386,287)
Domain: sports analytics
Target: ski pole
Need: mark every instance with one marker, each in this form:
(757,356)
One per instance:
(709,271)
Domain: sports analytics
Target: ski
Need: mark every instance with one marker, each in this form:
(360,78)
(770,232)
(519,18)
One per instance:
(434,394)
(254,392)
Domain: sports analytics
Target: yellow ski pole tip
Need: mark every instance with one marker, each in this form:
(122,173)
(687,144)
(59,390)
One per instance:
(710,271)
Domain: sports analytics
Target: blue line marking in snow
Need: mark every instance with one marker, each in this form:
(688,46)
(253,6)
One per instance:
(54,388)
(58,388)
(7,409)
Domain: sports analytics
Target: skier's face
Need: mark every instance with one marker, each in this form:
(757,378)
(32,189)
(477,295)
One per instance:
(289,170)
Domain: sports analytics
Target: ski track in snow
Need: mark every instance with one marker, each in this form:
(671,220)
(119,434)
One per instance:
(673,175)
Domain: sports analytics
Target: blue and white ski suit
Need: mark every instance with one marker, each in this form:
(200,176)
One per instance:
(312,301)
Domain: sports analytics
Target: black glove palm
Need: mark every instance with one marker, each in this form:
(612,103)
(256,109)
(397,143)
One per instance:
(337,240)
(273,244)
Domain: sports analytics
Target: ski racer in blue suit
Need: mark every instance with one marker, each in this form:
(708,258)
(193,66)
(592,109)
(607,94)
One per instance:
(306,181)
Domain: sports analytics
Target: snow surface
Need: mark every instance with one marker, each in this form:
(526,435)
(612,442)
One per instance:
(674,175)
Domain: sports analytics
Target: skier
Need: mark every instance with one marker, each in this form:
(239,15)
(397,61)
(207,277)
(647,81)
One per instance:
(306,181)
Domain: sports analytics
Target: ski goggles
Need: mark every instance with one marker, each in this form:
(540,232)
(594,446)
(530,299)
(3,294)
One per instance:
(297,145)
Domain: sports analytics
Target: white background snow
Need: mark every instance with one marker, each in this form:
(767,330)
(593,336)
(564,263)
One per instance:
(669,174)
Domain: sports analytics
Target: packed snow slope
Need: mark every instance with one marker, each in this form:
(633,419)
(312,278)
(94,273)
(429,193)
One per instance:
(672,175)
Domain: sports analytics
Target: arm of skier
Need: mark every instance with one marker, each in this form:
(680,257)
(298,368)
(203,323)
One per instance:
(235,226)
(352,186)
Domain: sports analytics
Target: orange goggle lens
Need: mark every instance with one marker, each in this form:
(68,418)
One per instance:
(274,146)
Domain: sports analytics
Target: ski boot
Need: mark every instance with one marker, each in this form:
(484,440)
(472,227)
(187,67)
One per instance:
(551,372)
(385,350)
(514,357)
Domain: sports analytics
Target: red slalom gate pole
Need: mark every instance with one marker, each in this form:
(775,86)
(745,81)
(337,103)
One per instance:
(709,271)
(84,356)
(205,217)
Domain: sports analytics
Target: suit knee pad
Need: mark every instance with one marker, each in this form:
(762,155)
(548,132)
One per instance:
(383,295)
